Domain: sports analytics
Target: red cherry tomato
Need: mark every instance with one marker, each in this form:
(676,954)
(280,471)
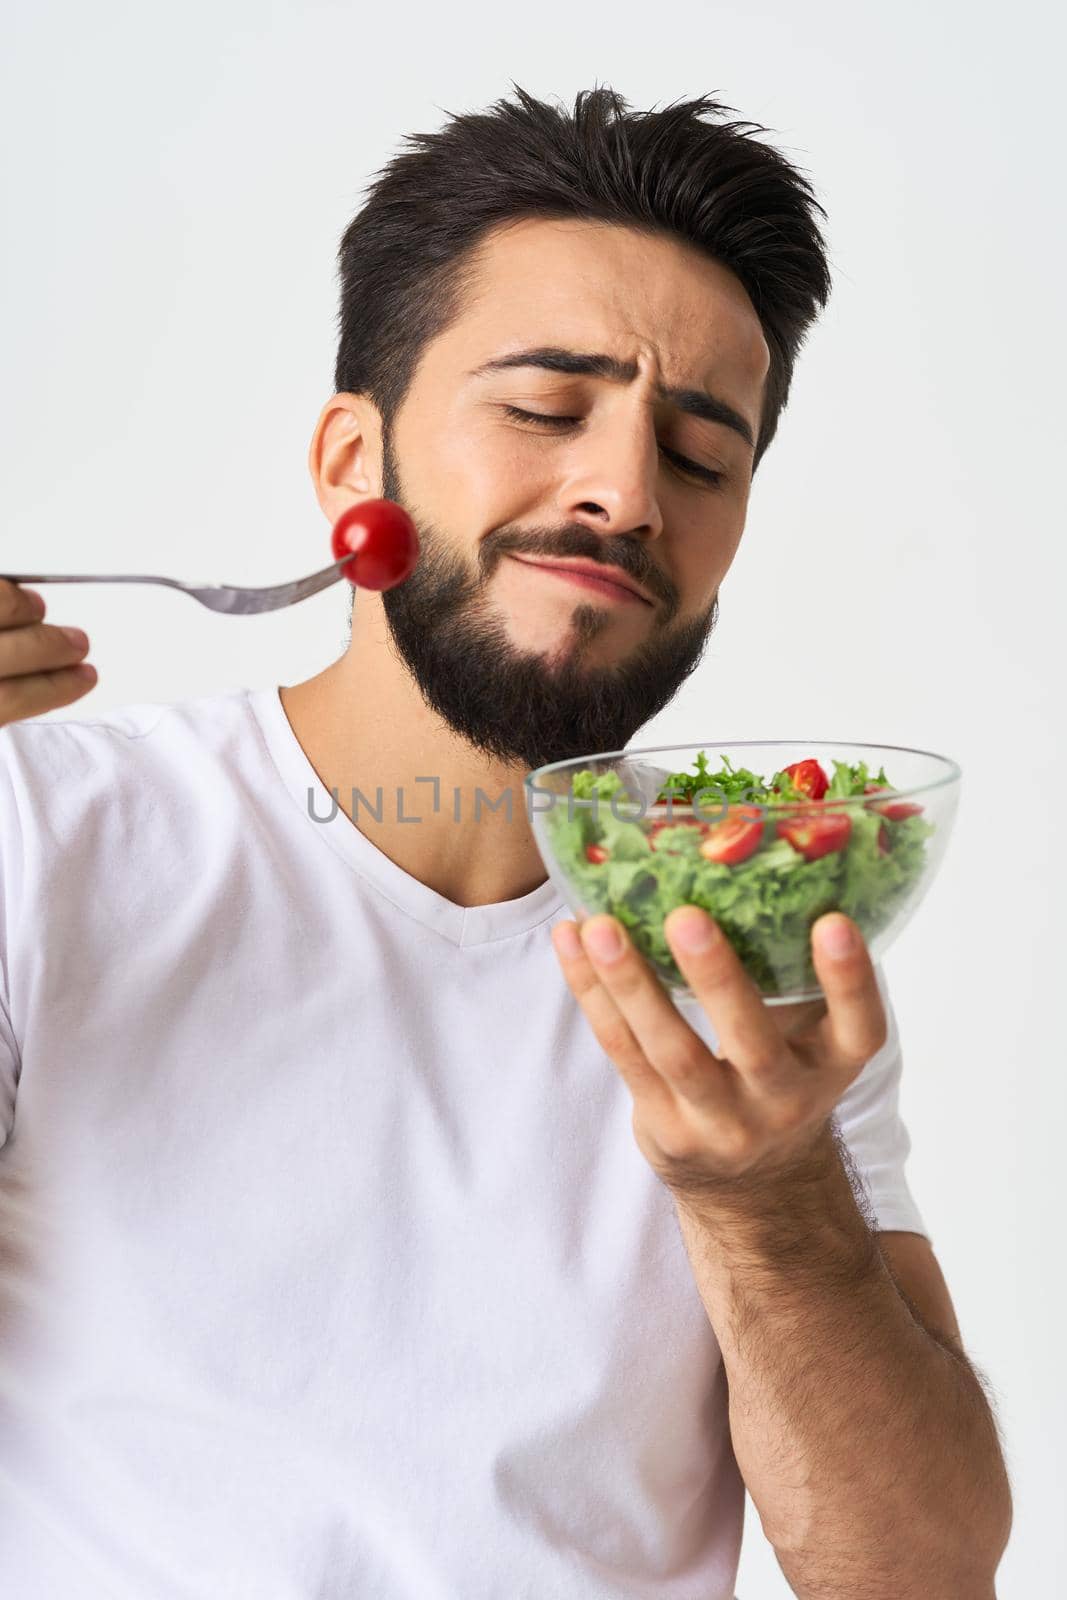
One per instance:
(808,777)
(383,543)
(735,838)
(895,810)
(595,853)
(813,837)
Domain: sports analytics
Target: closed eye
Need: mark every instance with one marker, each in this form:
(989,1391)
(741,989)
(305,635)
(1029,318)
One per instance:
(562,424)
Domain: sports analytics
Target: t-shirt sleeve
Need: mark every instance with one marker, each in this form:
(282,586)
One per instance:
(871,1127)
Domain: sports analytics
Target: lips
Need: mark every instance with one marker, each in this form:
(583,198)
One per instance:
(596,572)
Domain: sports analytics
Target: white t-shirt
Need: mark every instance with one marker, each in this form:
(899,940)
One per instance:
(329,1266)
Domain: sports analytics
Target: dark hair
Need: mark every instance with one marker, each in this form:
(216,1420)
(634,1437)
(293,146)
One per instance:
(404,259)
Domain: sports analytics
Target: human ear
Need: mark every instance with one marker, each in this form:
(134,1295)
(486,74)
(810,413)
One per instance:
(345,455)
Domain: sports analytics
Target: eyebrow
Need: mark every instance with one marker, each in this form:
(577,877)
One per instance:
(696,402)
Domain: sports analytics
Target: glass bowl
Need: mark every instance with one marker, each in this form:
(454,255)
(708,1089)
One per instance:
(763,857)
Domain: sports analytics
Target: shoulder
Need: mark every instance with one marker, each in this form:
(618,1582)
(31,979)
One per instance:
(55,748)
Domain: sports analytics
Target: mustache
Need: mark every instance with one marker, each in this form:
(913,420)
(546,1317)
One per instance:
(574,540)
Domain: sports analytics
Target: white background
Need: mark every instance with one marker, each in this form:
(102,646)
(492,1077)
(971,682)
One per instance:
(174,188)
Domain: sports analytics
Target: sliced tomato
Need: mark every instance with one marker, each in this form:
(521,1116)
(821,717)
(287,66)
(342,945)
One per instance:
(883,840)
(735,838)
(596,853)
(813,837)
(808,777)
(895,810)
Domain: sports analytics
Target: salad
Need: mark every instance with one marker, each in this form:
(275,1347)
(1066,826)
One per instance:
(765,859)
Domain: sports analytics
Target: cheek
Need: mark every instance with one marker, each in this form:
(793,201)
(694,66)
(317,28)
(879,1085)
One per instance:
(489,479)
(704,555)
(502,475)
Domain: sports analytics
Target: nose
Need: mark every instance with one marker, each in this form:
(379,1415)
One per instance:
(611,479)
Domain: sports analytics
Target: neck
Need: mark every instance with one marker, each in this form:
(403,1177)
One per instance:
(363,725)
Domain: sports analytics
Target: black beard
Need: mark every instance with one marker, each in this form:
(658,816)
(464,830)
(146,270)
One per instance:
(515,705)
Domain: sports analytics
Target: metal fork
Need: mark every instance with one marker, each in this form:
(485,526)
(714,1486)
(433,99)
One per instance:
(217,597)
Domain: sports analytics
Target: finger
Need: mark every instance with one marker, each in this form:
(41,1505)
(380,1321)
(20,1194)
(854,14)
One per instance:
(749,1037)
(669,1044)
(855,1026)
(612,1031)
(43,691)
(39,647)
(19,606)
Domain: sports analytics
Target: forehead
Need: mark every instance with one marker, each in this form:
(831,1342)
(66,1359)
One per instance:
(599,286)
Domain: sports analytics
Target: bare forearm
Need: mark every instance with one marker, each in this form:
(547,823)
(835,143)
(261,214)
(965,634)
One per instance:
(868,1448)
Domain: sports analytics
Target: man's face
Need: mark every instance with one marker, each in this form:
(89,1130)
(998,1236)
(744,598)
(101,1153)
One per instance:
(527,664)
